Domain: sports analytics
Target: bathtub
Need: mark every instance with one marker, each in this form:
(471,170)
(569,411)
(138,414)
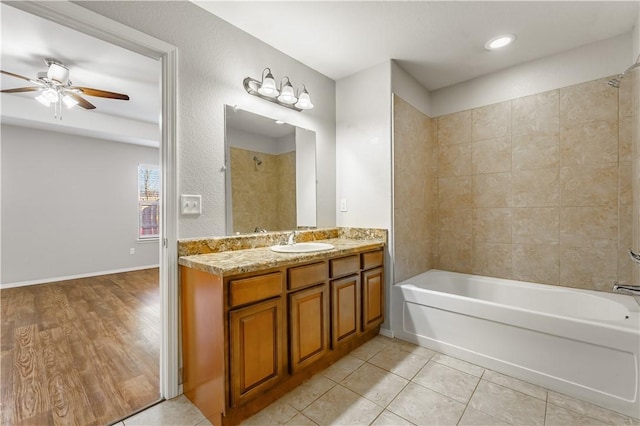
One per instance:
(581,343)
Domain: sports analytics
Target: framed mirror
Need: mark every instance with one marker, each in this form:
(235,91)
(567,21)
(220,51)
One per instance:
(270,171)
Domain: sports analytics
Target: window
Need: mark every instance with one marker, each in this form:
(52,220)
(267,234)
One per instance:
(148,201)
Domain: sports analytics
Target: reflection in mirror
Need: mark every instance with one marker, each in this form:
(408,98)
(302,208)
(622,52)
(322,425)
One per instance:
(270,174)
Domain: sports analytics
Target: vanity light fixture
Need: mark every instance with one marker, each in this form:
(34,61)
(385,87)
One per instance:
(285,95)
(500,41)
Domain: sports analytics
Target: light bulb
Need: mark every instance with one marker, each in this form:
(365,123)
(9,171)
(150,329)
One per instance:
(43,100)
(304,102)
(288,95)
(268,86)
(500,41)
(51,95)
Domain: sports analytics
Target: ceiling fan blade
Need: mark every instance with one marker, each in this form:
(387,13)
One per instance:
(15,75)
(81,101)
(21,89)
(101,93)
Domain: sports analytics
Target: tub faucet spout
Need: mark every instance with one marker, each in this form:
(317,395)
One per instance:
(633,290)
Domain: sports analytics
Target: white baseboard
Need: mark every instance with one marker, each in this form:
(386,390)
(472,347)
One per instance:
(74,277)
(386,333)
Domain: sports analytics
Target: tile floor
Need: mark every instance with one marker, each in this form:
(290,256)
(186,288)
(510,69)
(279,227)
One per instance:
(391,382)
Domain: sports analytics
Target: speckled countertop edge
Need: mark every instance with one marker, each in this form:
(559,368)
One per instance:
(194,246)
(256,259)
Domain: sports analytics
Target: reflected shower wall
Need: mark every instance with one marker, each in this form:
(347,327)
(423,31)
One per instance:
(263,190)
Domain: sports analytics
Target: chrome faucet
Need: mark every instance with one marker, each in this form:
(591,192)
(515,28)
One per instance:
(626,289)
(292,238)
(635,257)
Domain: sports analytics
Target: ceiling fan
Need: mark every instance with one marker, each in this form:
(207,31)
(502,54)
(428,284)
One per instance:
(56,88)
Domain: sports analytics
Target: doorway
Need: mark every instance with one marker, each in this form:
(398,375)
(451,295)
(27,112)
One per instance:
(78,18)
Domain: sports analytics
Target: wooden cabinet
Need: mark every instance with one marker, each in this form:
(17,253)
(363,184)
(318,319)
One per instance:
(308,325)
(372,298)
(249,338)
(257,349)
(345,309)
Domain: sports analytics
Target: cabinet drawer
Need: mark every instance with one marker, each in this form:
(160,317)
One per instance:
(372,259)
(303,276)
(253,289)
(344,266)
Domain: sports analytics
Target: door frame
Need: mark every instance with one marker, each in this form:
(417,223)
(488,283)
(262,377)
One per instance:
(101,27)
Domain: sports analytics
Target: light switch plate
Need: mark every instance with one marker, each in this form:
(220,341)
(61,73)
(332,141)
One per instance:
(191,204)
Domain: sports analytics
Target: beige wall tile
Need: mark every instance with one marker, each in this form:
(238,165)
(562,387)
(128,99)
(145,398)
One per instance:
(492,259)
(589,267)
(589,185)
(538,263)
(589,143)
(455,223)
(536,113)
(625,194)
(492,190)
(625,139)
(492,225)
(588,226)
(536,188)
(625,98)
(536,225)
(588,102)
(454,160)
(535,151)
(454,192)
(454,128)
(455,255)
(625,227)
(492,121)
(491,156)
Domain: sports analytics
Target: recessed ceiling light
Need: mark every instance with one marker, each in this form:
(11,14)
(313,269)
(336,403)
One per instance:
(500,41)
(279,122)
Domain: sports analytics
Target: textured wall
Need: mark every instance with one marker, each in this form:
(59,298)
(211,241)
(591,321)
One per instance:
(634,125)
(539,188)
(414,190)
(264,195)
(213,59)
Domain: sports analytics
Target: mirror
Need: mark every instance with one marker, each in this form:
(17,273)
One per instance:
(270,174)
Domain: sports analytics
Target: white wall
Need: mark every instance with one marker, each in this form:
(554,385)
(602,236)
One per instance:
(253,142)
(69,206)
(586,63)
(363,155)
(363,151)
(408,88)
(214,57)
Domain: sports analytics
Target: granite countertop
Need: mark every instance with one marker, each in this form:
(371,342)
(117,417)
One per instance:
(255,259)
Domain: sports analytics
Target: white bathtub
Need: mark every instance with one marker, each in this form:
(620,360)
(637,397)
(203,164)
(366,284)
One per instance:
(578,342)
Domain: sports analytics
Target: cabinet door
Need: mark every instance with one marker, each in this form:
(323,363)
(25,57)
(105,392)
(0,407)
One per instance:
(309,325)
(257,349)
(345,309)
(372,298)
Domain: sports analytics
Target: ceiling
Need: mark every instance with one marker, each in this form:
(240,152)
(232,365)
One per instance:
(439,43)
(28,39)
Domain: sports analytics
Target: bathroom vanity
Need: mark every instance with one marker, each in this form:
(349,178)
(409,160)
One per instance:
(256,323)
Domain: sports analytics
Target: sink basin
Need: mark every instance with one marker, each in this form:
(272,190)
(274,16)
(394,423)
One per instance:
(302,247)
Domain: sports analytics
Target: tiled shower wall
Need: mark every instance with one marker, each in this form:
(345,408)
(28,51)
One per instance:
(414,193)
(537,189)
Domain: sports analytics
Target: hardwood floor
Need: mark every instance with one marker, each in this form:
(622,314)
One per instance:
(80,352)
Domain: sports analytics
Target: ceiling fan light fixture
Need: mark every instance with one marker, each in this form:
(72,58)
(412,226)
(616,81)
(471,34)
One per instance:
(58,73)
(69,101)
(43,100)
(51,95)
